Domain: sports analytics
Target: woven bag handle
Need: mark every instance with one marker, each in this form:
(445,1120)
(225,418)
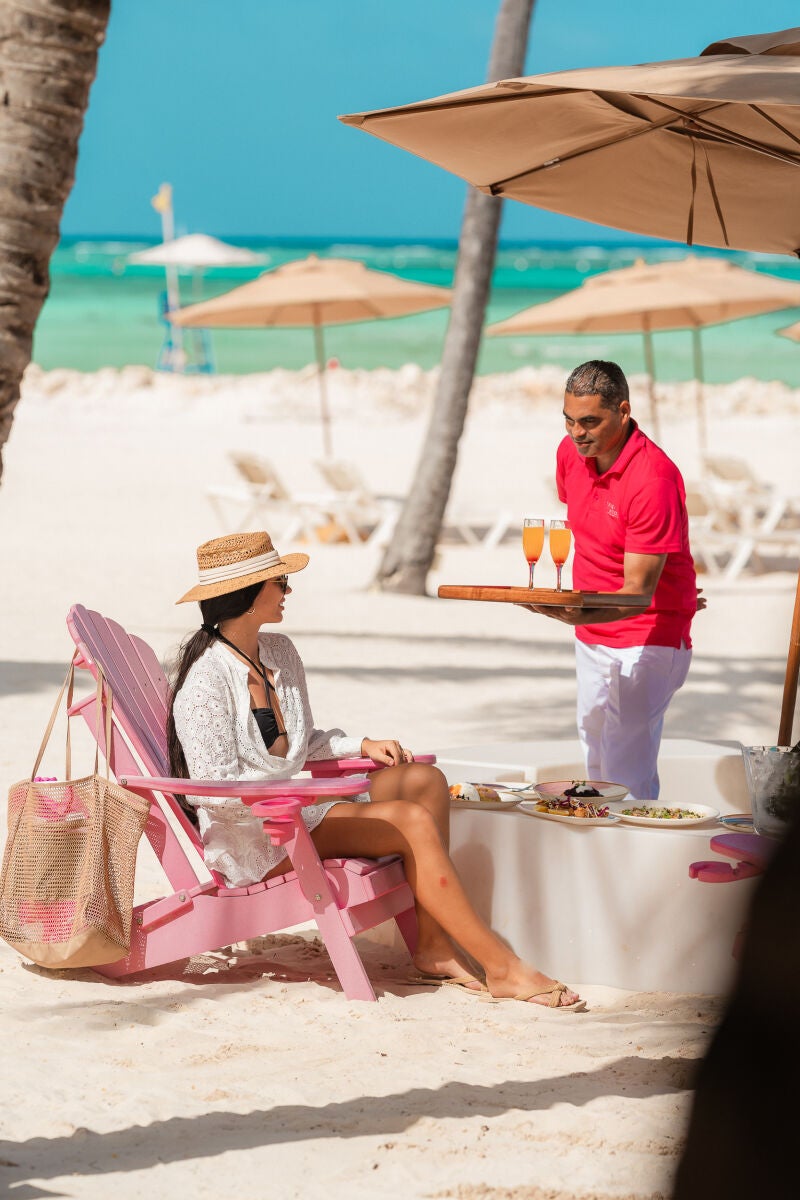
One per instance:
(68,686)
(68,681)
(103,690)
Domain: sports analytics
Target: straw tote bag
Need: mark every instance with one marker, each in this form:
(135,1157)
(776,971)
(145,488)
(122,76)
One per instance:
(66,886)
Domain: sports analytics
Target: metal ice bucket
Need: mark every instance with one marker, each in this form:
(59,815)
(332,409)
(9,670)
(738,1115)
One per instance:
(773,780)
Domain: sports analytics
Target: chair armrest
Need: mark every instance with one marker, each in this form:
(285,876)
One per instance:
(329,768)
(250,791)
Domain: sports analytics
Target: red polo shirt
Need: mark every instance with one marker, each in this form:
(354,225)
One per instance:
(637,505)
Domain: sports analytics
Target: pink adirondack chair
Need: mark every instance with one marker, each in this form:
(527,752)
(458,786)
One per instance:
(751,853)
(344,896)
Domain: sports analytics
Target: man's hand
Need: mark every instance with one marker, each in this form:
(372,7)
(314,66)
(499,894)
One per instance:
(385,750)
(702,602)
(569,614)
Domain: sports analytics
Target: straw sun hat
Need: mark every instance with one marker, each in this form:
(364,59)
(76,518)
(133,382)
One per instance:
(228,563)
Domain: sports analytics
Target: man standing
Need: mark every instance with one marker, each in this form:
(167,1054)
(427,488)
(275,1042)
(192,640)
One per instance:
(626,504)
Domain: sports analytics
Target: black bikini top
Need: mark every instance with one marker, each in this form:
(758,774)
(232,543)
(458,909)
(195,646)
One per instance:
(265,718)
(267,722)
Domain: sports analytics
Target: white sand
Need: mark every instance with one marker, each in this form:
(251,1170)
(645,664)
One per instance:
(247,1071)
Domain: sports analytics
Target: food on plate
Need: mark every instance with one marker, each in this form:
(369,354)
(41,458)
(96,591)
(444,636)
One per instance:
(474,791)
(571,806)
(662,814)
(582,789)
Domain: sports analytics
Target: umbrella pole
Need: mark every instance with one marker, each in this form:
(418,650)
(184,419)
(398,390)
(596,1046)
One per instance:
(319,346)
(650,368)
(792,670)
(697,351)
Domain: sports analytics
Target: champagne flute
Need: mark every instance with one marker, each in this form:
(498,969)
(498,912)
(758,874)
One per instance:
(532,543)
(560,538)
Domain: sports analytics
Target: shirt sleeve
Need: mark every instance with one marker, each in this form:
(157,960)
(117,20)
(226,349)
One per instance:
(655,519)
(322,743)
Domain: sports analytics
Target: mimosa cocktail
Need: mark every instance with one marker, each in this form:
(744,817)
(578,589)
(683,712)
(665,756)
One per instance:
(532,543)
(560,539)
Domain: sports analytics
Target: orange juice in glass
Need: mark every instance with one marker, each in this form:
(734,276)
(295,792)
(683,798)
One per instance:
(560,539)
(532,543)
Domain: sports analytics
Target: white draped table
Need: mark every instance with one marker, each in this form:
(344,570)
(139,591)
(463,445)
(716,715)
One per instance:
(612,906)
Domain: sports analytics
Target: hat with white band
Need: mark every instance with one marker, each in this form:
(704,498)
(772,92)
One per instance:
(229,563)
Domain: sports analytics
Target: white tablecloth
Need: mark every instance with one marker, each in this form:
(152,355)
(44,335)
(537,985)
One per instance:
(613,906)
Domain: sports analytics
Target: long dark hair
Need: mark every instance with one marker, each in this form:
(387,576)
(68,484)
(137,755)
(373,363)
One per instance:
(220,608)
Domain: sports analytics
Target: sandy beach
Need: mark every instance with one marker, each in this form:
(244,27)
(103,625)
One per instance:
(247,1070)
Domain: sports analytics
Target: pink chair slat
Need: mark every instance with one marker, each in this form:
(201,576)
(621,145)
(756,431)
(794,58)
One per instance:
(136,679)
(343,896)
(144,728)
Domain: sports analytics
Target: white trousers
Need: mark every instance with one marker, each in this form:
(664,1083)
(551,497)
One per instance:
(623,695)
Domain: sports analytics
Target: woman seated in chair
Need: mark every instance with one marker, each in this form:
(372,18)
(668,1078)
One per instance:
(240,710)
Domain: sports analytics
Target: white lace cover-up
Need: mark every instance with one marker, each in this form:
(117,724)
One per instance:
(221,740)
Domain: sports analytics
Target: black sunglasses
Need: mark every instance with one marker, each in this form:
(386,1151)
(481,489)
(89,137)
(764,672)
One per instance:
(282,582)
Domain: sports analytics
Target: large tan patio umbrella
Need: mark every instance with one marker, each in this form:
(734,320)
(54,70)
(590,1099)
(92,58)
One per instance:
(689,293)
(317,292)
(701,150)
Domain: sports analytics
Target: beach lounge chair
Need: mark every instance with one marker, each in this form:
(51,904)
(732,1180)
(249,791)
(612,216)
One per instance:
(262,498)
(199,914)
(732,528)
(717,546)
(752,505)
(363,514)
(359,508)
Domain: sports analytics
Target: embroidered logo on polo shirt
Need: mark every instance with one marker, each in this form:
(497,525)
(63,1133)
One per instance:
(611,509)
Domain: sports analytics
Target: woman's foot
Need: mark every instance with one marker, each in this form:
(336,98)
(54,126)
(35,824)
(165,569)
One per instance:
(446,967)
(521,982)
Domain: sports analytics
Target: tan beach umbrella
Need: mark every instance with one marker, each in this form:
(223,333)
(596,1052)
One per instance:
(686,294)
(791,331)
(701,150)
(317,292)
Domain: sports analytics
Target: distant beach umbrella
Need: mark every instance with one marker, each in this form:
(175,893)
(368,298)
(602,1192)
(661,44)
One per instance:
(791,331)
(317,292)
(195,252)
(701,150)
(690,293)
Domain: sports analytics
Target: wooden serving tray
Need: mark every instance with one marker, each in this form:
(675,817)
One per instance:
(524,595)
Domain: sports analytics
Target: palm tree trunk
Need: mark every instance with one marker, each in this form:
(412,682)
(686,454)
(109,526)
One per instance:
(48,60)
(409,556)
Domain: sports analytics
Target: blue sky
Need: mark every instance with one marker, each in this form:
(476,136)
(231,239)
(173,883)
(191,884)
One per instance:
(235,104)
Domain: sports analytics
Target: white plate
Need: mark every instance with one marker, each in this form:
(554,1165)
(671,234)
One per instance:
(511,803)
(555,790)
(529,807)
(706,813)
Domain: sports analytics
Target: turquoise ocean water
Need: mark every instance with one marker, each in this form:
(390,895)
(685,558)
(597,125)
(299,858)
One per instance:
(104,312)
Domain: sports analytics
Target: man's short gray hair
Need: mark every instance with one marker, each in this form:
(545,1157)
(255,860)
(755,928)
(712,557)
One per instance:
(598,378)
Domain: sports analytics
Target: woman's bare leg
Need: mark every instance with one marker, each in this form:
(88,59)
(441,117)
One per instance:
(420,783)
(396,827)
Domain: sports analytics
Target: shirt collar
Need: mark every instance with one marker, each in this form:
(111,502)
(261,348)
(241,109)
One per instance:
(632,446)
